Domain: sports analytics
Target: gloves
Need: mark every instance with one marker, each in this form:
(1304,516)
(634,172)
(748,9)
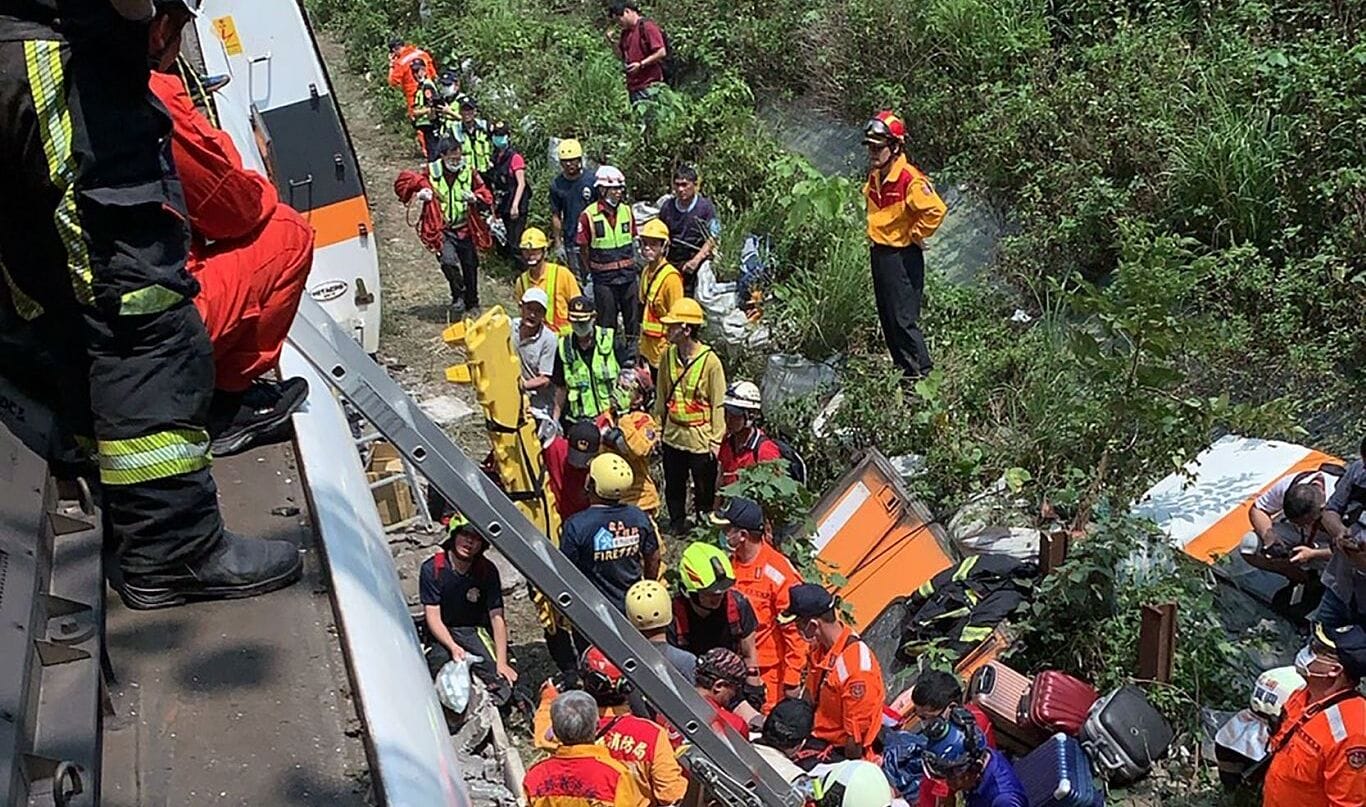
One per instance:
(754,694)
(615,439)
(424,195)
(470,197)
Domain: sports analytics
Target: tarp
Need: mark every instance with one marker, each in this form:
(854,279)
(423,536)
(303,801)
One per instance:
(1204,511)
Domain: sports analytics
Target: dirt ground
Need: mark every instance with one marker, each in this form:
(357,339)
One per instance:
(416,300)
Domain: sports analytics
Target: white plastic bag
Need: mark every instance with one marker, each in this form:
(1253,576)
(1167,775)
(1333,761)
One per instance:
(453,683)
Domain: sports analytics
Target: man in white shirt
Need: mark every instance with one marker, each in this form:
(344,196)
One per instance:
(536,346)
(1287,537)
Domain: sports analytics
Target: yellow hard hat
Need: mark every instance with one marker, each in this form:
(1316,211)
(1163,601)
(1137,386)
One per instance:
(569,150)
(610,476)
(534,238)
(686,311)
(648,605)
(654,228)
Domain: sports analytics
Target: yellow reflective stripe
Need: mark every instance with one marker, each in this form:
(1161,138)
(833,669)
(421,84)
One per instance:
(148,300)
(964,568)
(24,305)
(974,634)
(43,58)
(155,456)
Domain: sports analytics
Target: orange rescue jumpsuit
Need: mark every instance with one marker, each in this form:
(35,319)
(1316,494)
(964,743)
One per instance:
(765,582)
(250,253)
(846,683)
(401,72)
(1323,764)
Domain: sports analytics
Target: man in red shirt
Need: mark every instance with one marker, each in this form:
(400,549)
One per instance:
(640,44)
(566,464)
(745,444)
(719,676)
(251,255)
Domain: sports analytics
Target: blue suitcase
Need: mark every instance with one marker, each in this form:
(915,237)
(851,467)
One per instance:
(1058,774)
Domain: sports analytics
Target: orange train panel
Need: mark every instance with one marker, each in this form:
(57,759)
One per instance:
(871,531)
(339,221)
(1224,535)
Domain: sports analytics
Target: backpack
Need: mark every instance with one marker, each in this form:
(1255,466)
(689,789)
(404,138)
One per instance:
(796,466)
(667,65)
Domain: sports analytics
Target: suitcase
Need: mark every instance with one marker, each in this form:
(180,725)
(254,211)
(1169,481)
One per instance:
(1003,694)
(1059,702)
(1124,734)
(1058,774)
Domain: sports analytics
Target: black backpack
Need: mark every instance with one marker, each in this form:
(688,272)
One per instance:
(668,65)
(796,466)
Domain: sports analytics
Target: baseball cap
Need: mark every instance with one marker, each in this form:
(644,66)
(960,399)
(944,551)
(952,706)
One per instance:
(467,102)
(789,722)
(584,440)
(1349,643)
(740,512)
(807,601)
(536,295)
(581,308)
(500,128)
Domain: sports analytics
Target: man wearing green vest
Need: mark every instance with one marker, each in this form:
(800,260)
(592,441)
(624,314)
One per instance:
(606,240)
(473,133)
(692,392)
(458,189)
(586,367)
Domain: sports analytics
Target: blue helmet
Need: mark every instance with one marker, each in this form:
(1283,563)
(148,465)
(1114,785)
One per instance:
(953,744)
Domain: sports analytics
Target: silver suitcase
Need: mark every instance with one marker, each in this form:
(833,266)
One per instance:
(1124,734)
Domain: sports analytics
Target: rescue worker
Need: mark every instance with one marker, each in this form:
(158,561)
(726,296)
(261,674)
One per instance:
(976,774)
(473,133)
(712,613)
(650,609)
(571,191)
(449,87)
(460,191)
(745,444)
(511,192)
(691,219)
(606,243)
(581,772)
(661,286)
(787,732)
(586,366)
(557,281)
(462,605)
(854,783)
(96,309)
(1287,537)
(403,77)
(692,389)
(719,678)
(566,460)
(937,692)
(903,211)
(642,744)
(251,256)
(844,678)
(612,543)
(1344,580)
(632,433)
(765,577)
(424,110)
(1318,756)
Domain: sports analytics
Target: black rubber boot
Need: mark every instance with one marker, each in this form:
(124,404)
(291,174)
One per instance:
(259,416)
(237,568)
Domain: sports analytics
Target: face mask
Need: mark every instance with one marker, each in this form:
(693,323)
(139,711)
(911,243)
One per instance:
(454,166)
(582,328)
(500,141)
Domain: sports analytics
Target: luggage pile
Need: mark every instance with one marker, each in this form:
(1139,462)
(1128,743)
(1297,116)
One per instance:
(1064,732)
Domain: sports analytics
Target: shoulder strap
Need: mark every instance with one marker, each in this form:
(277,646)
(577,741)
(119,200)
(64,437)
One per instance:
(1309,713)
(439,562)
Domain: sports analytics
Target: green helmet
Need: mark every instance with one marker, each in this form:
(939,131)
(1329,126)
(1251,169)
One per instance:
(705,569)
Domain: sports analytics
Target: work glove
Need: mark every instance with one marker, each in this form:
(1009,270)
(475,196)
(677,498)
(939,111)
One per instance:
(470,197)
(615,439)
(424,195)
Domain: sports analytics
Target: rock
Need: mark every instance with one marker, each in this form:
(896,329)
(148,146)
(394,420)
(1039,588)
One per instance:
(446,409)
(512,579)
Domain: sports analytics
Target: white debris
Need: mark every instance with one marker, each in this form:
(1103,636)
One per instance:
(446,409)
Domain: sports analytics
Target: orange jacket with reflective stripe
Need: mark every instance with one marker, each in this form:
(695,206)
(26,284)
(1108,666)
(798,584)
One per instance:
(766,582)
(903,208)
(847,684)
(401,72)
(1323,764)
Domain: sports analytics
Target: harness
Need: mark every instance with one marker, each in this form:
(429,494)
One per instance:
(683,616)
(504,182)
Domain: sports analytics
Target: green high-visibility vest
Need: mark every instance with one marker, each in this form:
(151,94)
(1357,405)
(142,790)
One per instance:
(451,195)
(590,388)
(610,246)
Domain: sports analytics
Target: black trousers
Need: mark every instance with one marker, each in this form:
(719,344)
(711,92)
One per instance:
(678,467)
(620,301)
(93,242)
(460,264)
(512,250)
(899,288)
(429,136)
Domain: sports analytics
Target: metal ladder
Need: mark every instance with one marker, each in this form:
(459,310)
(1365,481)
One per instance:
(731,768)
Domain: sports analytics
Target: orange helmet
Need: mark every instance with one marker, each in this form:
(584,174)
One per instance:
(884,127)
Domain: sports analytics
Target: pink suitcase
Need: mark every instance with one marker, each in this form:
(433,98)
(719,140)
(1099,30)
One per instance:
(1003,693)
(1060,702)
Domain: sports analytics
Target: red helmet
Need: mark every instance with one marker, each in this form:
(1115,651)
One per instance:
(884,127)
(599,674)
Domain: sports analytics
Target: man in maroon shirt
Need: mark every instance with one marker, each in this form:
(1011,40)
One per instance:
(566,464)
(641,46)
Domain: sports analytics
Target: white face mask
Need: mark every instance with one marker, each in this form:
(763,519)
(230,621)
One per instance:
(454,166)
(582,328)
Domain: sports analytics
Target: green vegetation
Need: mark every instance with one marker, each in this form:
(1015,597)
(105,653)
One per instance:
(1186,187)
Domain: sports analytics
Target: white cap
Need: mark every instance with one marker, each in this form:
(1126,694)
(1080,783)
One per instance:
(536,294)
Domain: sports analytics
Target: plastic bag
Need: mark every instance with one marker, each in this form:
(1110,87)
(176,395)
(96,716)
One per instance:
(453,683)
(791,376)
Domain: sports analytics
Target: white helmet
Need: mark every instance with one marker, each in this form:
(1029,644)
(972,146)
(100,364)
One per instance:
(609,176)
(743,395)
(856,783)
(1274,687)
